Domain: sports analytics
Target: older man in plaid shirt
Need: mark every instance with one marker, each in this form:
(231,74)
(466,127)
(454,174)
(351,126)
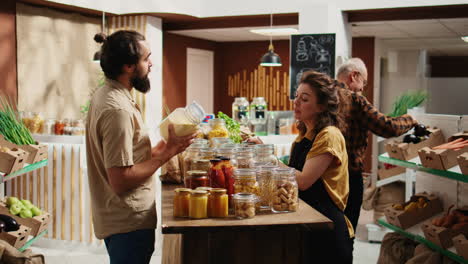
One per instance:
(361,117)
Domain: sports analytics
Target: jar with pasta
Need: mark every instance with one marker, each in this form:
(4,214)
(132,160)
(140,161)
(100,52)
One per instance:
(265,153)
(245,158)
(218,203)
(197,179)
(218,128)
(286,191)
(198,206)
(245,181)
(181,202)
(266,184)
(244,205)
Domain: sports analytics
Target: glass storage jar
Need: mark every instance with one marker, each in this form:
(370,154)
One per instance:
(206,153)
(286,191)
(185,120)
(227,153)
(218,129)
(218,203)
(244,205)
(201,141)
(258,109)
(218,141)
(245,158)
(196,178)
(181,202)
(201,165)
(189,156)
(245,181)
(59,127)
(198,206)
(49,127)
(265,153)
(240,110)
(266,183)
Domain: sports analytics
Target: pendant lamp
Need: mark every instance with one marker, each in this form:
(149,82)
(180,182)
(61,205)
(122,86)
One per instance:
(97,55)
(270,59)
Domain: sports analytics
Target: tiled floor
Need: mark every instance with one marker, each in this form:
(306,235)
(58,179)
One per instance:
(73,253)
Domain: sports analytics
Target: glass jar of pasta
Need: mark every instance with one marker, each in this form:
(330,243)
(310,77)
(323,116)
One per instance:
(245,181)
(266,185)
(244,205)
(286,191)
(218,128)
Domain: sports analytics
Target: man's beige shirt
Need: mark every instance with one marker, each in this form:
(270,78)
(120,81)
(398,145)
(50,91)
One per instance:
(115,137)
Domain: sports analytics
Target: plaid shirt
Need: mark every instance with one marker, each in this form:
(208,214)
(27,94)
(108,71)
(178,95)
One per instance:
(361,117)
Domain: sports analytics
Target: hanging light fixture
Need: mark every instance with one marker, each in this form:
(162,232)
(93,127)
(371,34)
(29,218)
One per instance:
(271,59)
(97,55)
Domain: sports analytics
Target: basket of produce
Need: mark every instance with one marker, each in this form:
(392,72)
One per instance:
(12,232)
(441,230)
(14,134)
(25,213)
(12,160)
(419,208)
(444,156)
(408,147)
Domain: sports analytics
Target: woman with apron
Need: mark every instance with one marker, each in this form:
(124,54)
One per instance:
(321,162)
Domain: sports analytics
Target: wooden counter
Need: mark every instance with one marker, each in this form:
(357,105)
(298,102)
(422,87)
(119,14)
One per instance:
(266,238)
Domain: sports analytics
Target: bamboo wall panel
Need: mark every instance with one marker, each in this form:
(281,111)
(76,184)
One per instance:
(262,82)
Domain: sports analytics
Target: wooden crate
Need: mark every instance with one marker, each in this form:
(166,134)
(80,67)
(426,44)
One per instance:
(37,223)
(463,163)
(12,160)
(406,151)
(442,159)
(36,152)
(16,238)
(461,245)
(407,219)
(439,235)
(383,173)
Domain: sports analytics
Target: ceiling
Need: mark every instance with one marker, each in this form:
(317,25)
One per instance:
(438,36)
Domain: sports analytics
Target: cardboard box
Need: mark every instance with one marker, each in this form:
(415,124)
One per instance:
(36,152)
(383,173)
(461,245)
(37,224)
(12,160)
(17,238)
(442,159)
(439,235)
(406,219)
(463,163)
(405,151)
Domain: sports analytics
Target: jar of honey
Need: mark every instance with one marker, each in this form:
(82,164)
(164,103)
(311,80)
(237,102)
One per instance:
(181,202)
(218,203)
(198,206)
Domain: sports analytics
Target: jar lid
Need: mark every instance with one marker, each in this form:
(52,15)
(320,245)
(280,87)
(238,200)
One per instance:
(202,161)
(197,173)
(225,150)
(203,188)
(199,192)
(182,190)
(225,158)
(218,191)
(244,197)
(284,172)
(197,146)
(244,173)
(215,160)
(216,121)
(200,141)
(196,112)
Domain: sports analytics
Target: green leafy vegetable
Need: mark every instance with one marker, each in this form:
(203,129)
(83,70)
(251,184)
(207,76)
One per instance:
(407,101)
(11,127)
(233,127)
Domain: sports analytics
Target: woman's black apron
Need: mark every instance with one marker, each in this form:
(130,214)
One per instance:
(322,246)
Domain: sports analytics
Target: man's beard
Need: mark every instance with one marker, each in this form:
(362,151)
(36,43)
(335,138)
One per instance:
(141,84)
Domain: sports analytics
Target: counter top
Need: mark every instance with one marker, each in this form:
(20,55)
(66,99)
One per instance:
(305,217)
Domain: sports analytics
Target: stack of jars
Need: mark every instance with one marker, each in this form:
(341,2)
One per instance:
(200,203)
(265,153)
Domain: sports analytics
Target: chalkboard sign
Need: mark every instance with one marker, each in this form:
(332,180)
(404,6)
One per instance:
(311,52)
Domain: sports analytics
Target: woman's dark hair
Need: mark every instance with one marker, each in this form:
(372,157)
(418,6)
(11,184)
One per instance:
(119,49)
(326,91)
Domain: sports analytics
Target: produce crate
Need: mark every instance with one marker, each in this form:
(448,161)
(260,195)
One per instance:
(440,235)
(36,152)
(406,219)
(463,163)
(461,245)
(405,151)
(442,159)
(37,223)
(383,173)
(16,238)
(12,160)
